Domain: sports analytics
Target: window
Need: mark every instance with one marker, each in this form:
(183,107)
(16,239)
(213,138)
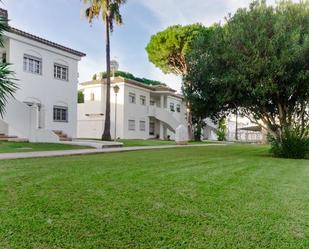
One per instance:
(143,100)
(131,125)
(92,97)
(132,98)
(4,58)
(152,102)
(60,114)
(61,72)
(142,125)
(32,64)
(151,128)
(172,107)
(178,108)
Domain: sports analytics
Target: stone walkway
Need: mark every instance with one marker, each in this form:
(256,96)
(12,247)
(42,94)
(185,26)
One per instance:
(40,154)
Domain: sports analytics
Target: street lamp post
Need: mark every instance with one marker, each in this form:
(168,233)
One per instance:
(116,91)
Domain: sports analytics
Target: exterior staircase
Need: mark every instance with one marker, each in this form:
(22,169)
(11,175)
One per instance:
(164,116)
(62,136)
(6,138)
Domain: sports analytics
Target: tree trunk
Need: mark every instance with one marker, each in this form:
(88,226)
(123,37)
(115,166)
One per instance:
(107,125)
(190,122)
(236,125)
(187,84)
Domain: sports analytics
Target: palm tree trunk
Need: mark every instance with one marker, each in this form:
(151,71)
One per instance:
(107,125)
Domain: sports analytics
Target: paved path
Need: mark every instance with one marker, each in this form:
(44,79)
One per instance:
(38,154)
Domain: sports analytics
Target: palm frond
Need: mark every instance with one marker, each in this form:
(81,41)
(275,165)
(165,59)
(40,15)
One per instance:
(104,8)
(7,86)
(3,27)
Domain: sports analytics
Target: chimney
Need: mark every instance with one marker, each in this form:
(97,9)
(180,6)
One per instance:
(4,14)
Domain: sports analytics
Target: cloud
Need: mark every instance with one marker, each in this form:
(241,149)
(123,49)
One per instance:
(170,12)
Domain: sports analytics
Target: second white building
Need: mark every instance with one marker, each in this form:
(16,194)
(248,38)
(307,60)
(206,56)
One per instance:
(142,111)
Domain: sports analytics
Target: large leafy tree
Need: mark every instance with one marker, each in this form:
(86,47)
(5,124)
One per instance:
(168,51)
(109,10)
(7,85)
(259,61)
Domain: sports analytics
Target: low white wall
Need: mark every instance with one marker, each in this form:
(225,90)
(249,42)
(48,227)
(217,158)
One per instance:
(23,121)
(44,136)
(4,129)
(18,117)
(90,128)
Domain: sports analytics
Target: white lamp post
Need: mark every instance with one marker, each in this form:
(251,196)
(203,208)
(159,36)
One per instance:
(116,91)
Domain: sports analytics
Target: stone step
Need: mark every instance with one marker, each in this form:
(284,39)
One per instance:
(58,132)
(18,140)
(66,139)
(6,138)
(62,136)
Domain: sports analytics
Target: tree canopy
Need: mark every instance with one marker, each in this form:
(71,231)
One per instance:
(259,61)
(168,49)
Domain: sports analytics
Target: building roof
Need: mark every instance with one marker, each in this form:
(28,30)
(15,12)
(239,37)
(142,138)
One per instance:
(255,128)
(4,14)
(46,42)
(154,88)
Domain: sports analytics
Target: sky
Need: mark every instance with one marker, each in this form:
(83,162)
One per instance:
(62,21)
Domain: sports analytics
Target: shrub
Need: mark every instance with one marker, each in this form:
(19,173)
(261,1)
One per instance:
(80,97)
(291,145)
(222,129)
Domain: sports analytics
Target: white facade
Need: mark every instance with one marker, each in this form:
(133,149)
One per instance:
(143,111)
(246,131)
(43,103)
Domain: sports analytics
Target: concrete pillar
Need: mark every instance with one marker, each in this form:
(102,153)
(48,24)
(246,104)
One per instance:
(162,101)
(162,131)
(34,122)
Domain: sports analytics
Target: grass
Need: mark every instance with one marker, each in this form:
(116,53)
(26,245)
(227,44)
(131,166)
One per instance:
(150,142)
(232,196)
(14,147)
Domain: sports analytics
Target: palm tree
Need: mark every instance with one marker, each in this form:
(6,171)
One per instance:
(110,12)
(7,86)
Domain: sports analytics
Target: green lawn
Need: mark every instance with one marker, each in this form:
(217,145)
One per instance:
(232,196)
(150,142)
(12,147)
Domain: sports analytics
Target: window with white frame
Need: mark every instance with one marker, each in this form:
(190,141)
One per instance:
(61,72)
(143,100)
(142,125)
(132,98)
(32,64)
(60,114)
(152,102)
(172,107)
(178,108)
(131,125)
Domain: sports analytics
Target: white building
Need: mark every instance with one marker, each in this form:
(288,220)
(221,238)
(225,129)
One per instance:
(143,111)
(246,131)
(45,105)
